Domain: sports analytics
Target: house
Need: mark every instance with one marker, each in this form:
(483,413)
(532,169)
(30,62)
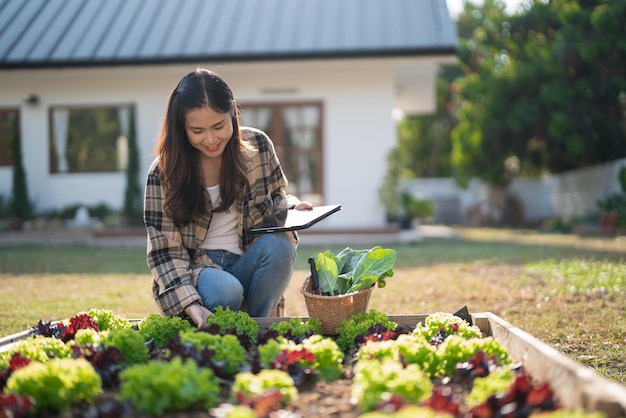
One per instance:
(323,77)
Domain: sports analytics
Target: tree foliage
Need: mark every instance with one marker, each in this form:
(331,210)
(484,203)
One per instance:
(21,206)
(542,91)
(423,148)
(424,140)
(133,195)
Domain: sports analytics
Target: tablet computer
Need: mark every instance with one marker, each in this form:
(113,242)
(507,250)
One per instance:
(300,219)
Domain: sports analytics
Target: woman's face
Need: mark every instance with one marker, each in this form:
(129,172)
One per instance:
(208,131)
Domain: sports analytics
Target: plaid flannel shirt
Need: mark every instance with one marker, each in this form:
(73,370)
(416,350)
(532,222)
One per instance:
(174,258)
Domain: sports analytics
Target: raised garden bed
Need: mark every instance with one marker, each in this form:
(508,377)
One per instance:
(576,387)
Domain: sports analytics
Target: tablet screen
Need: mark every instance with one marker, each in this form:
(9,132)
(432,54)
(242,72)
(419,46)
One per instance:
(300,219)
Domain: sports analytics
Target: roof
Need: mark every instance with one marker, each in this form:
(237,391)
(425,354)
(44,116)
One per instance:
(73,33)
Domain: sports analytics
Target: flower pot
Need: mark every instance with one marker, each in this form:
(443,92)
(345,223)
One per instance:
(332,310)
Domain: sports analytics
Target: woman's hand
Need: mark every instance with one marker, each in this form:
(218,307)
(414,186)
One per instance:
(198,314)
(304,205)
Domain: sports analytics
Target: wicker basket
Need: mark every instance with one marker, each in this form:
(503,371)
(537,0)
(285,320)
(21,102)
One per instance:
(332,310)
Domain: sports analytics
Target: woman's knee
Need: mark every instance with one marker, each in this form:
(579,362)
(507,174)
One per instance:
(219,288)
(278,246)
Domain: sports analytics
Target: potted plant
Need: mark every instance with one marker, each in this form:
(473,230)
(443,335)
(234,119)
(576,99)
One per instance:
(414,208)
(613,208)
(340,285)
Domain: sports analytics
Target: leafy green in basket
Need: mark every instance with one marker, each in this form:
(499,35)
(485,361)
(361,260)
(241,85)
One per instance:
(353,270)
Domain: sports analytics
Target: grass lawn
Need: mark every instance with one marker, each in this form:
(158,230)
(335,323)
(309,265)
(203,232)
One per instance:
(566,290)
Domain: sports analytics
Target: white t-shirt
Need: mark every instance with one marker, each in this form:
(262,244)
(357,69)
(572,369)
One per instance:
(223,231)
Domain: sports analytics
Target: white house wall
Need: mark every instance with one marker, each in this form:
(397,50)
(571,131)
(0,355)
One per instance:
(357,96)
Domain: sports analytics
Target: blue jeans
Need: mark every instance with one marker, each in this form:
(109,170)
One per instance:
(253,282)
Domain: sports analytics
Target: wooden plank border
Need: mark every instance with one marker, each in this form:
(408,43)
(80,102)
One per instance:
(577,386)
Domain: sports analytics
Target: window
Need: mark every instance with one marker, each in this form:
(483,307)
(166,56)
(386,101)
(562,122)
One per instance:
(89,139)
(9,128)
(295,129)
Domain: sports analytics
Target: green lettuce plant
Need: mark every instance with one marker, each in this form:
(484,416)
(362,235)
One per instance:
(107,320)
(376,380)
(298,327)
(239,321)
(162,328)
(88,336)
(353,270)
(227,348)
(456,349)
(359,324)
(57,384)
(407,348)
(130,342)
(497,382)
(409,411)
(439,322)
(250,385)
(414,349)
(37,348)
(378,350)
(328,357)
(156,387)
(269,351)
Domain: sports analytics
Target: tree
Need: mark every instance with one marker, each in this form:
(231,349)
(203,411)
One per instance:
(21,206)
(425,139)
(423,148)
(133,198)
(541,90)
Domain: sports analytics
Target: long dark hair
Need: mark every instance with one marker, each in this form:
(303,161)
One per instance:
(179,162)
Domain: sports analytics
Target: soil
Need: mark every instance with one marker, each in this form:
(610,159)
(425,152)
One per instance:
(328,399)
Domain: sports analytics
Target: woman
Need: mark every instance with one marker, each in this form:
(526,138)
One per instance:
(211,182)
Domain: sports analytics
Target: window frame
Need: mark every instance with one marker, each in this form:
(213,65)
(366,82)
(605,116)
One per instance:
(278,133)
(6,149)
(53,159)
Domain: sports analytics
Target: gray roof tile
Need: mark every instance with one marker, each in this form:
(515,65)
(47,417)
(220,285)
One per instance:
(45,33)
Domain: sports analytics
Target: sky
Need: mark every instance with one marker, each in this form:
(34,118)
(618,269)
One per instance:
(456,6)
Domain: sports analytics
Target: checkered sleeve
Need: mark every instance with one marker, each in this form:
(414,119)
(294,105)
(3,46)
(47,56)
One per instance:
(169,260)
(268,201)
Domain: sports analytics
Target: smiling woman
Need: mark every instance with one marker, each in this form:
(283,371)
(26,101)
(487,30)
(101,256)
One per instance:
(213,181)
